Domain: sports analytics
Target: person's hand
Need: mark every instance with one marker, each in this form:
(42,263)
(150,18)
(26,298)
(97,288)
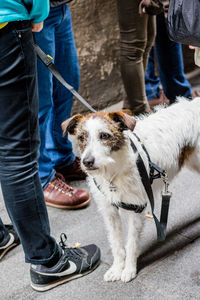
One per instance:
(37,27)
(165,4)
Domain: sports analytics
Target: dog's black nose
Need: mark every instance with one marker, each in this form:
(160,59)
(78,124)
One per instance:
(88,161)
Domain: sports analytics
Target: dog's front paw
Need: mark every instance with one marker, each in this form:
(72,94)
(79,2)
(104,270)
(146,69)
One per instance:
(128,274)
(113,274)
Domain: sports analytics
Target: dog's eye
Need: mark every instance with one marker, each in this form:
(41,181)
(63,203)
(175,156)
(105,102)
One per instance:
(104,135)
(81,138)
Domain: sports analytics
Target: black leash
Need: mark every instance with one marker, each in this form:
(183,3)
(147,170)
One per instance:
(147,180)
(48,62)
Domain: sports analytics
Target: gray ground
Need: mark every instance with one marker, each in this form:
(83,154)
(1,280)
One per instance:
(170,270)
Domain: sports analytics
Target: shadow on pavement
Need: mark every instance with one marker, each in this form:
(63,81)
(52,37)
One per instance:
(176,240)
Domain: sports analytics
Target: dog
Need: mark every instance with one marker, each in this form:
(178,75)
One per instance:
(171,137)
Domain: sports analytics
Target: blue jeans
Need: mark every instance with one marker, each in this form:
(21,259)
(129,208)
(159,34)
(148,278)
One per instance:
(55,101)
(170,67)
(19,143)
(152,81)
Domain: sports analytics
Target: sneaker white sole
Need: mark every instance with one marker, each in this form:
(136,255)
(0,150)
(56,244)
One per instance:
(84,204)
(7,249)
(43,288)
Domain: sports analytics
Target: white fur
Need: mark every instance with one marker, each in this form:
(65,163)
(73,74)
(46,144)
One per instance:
(163,134)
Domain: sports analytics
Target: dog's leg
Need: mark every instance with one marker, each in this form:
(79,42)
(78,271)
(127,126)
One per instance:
(135,224)
(114,227)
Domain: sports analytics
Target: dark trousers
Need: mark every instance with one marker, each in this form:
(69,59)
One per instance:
(137,36)
(170,64)
(19,143)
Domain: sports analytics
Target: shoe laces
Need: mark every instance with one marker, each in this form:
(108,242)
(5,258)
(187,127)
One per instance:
(63,239)
(60,183)
(69,252)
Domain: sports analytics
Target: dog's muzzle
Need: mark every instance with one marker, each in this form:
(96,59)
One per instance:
(88,162)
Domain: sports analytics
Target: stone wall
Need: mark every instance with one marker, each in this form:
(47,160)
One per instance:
(97,39)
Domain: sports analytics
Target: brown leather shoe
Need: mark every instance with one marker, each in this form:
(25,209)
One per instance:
(162,99)
(127,111)
(61,195)
(73,171)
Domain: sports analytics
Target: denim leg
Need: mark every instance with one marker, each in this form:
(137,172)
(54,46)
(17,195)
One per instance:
(46,41)
(19,143)
(55,101)
(152,81)
(66,61)
(170,64)
(3,230)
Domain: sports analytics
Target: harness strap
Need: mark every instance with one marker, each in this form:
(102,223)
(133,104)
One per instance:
(153,167)
(134,207)
(138,209)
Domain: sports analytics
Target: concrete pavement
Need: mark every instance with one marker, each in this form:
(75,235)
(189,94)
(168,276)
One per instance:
(170,270)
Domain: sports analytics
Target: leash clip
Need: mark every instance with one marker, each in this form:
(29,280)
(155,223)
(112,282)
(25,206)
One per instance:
(166,192)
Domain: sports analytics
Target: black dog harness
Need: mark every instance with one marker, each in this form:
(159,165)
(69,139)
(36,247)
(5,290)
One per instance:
(147,180)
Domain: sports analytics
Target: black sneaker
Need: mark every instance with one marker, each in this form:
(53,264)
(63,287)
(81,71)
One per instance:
(10,241)
(73,263)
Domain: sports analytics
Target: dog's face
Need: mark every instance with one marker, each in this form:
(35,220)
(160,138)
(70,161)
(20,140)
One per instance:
(100,136)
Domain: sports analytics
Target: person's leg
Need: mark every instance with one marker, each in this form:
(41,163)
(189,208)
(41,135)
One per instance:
(170,64)
(3,231)
(66,62)
(19,142)
(51,265)
(46,40)
(133,41)
(55,103)
(152,81)
(150,36)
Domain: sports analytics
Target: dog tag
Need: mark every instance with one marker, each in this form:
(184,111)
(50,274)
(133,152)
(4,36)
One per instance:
(112,187)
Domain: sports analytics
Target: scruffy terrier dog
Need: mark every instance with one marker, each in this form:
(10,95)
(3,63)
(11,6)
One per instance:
(172,139)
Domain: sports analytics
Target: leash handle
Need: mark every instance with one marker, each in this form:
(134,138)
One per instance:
(164,211)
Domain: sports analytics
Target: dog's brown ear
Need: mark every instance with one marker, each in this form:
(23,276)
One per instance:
(70,124)
(125,121)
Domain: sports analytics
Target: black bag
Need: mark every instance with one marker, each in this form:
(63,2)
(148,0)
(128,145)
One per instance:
(150,7)
(183,22)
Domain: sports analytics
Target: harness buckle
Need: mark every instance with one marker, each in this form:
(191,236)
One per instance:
(154,168)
